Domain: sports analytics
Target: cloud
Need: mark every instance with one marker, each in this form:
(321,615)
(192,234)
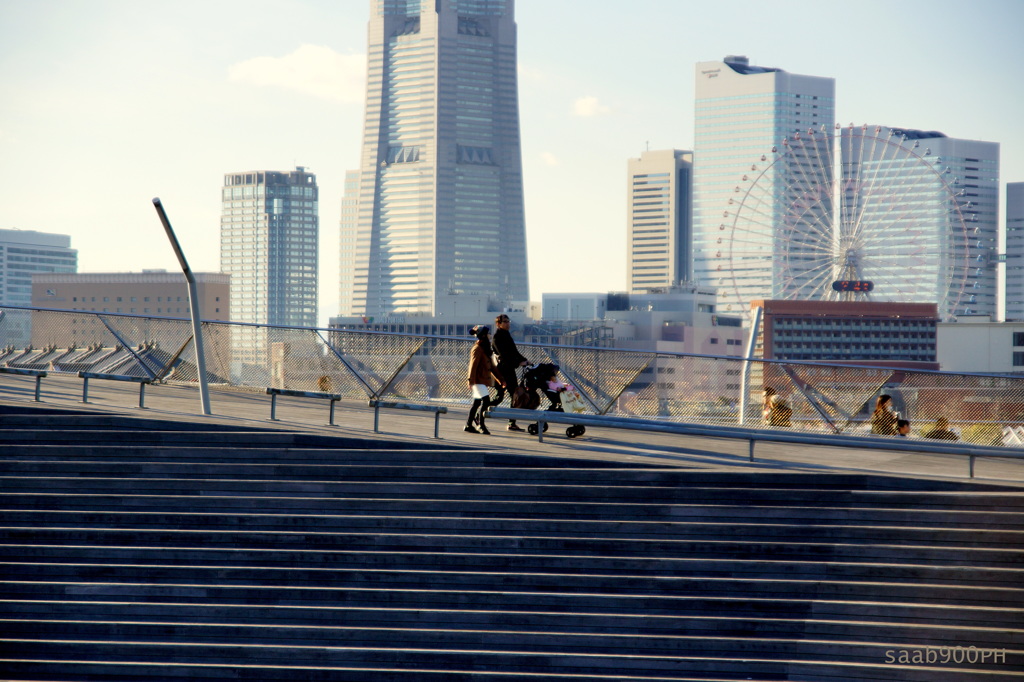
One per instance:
(549,159)
(313,70)
(589,106)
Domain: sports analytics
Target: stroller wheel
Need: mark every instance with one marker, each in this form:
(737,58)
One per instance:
(532,429)
(580,430)
(571,432)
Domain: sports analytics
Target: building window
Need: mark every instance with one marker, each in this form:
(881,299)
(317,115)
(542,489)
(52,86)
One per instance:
(1018,359)
(1018,338)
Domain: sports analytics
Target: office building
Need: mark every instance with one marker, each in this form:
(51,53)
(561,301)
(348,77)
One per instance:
(742,111)
(439,195)
(659,219)
(24,253)
(151,292)
(155,293)
(1014,282)
(269,245)
(850,332)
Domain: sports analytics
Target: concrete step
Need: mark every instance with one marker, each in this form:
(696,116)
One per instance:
(834,568)
(623,529)
(731,661)
(769,584)
(645,492)
(978,593)
(102,599)
(762,645)
(573,631)
(736,512)
(298,538)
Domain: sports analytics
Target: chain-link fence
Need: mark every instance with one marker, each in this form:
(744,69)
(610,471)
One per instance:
(814,397)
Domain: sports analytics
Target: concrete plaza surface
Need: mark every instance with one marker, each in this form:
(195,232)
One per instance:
(356,419)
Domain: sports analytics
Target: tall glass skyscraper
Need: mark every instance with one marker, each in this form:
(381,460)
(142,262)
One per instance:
(269,237)
(437,206)
(742,111)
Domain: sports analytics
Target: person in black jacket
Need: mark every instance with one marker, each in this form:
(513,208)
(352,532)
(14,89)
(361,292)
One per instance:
(509,360)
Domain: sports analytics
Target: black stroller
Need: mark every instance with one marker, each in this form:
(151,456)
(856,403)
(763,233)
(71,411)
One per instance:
(536,379)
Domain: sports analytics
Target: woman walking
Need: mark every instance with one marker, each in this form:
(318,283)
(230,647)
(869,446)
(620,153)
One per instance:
(509,360)
(482,375)
(883,419)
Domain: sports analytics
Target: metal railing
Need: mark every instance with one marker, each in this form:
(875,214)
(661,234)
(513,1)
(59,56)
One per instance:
(431,370)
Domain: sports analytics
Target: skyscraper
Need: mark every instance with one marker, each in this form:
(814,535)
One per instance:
(1014,251)
(659,218)
(439,205)
(741,112)
(22,254)
(269,245)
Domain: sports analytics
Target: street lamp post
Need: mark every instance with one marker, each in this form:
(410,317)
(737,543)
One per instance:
(193,298)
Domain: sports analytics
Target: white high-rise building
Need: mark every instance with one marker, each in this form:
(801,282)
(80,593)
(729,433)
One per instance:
(659,219)
(742,111)
(1014,292)
(22,254)
(439,207)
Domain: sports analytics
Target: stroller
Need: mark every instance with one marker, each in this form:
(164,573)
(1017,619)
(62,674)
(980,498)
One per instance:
(537,378)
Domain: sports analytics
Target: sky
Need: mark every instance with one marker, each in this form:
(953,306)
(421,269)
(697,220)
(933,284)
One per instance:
(106,104)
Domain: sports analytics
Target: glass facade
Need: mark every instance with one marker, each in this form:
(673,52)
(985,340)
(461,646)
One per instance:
(741,112)
(436,206)
(22,254)
(269,245)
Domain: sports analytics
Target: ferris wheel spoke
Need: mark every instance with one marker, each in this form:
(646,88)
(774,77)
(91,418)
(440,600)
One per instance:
(854,203)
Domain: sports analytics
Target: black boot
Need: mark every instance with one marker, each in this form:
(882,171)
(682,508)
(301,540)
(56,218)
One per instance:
(471,420)
(484,404)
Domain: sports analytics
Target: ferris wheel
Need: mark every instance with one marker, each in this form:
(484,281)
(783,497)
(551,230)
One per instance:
(857,213)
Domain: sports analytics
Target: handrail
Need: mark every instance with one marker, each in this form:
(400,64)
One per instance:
(754,435)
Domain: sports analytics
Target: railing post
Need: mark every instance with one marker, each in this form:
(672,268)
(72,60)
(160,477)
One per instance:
(330,422)
(142,395)
(376,416)
(273,407)
(437,424)
(540,430)
(751,453)
(85,389)
(971,459)
(39,381)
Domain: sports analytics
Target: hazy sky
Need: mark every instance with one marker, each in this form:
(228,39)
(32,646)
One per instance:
(105,104)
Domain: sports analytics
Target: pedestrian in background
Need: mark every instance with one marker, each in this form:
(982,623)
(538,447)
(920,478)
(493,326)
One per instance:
(883,419)
(780,414)
(941,431)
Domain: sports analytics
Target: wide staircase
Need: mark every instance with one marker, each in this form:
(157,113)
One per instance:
(138,549)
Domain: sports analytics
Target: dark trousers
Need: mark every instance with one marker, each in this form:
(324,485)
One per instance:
(511,383)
